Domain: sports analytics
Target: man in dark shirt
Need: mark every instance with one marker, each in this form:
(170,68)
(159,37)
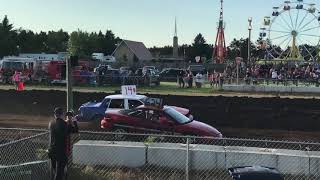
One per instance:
(59,149)
(180,79)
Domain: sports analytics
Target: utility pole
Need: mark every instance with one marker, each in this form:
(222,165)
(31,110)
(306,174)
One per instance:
(69,84)
(249,40)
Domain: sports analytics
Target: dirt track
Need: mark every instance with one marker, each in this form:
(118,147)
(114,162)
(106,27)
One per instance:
(279,118)
(29,121)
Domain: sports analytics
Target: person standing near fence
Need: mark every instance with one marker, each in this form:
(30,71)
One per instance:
(221,79)
(211,79)
(190,79)
(199,80)
(72,126)
(181,75)
(59,146)
(216,79)
(16,79)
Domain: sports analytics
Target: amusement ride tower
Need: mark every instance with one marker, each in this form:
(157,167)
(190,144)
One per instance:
(220,50)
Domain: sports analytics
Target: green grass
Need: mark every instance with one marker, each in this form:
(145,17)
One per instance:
(164,88)
(169,88)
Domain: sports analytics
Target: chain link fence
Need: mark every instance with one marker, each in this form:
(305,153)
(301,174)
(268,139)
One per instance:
(308,82)
(104,156)
(23,154)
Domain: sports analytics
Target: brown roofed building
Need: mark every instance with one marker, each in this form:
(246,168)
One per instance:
(132,52)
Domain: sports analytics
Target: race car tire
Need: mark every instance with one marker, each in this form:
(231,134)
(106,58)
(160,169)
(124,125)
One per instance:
(96,122)
(120,134)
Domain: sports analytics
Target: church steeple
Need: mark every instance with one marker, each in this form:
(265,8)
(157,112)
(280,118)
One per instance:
(175,27)
(175,40)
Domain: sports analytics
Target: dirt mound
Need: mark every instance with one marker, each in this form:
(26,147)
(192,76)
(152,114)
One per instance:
(219,111)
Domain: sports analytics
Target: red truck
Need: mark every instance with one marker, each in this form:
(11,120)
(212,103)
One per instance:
(56,73)
(9,65)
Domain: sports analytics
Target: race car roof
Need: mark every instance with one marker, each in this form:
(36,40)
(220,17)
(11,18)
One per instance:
(120,96)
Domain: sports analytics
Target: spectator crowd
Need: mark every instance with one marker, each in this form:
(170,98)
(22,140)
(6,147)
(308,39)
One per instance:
(276,72)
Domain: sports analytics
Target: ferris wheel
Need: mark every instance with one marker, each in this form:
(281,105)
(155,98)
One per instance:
(292,32)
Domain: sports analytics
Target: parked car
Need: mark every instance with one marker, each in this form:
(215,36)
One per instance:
(93,112)
(108,76)
(101,68)
(124,69)
(196,69)
(150,119)
(138,72)
(151,77)
(254,173)
(146,68)
(169,74)
(82,75)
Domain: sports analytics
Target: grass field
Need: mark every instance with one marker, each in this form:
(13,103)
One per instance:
(164,88)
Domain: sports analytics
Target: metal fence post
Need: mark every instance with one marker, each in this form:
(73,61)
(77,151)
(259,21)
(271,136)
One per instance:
(187,159)
(69,84)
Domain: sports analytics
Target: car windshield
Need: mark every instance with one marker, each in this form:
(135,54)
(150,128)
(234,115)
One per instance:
(105,102)
(177,116)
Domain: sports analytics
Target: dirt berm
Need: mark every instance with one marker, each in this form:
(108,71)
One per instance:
(219,111)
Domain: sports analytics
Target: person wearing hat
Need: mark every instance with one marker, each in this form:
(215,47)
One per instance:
(59,142)
(72,128)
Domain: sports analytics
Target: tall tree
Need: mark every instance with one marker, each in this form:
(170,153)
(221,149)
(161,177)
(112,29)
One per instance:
(199,40)
(84,44)
(41,42)
(239,48)
(26,41)
(57,41)
(201,48)
(78,43)
(8,45)
(110,42)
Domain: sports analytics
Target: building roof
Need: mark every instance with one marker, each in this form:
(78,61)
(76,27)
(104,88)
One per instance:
(44,56)
(137,48)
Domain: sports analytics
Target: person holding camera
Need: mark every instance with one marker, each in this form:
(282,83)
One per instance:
(61,128)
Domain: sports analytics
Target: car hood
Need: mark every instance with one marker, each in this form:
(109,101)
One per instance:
(91,104)
(200,126)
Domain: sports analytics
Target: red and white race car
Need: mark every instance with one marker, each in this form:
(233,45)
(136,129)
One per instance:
(150,119)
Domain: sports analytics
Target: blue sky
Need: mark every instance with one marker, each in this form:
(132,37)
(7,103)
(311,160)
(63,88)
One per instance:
(149,21)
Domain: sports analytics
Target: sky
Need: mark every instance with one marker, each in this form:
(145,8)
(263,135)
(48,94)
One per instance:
(148,21)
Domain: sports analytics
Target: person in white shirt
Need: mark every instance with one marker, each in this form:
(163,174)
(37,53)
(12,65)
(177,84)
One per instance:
(199,80)
(274,75)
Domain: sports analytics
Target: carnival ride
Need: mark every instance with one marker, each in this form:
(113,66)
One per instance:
(292,32)
(220,50)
